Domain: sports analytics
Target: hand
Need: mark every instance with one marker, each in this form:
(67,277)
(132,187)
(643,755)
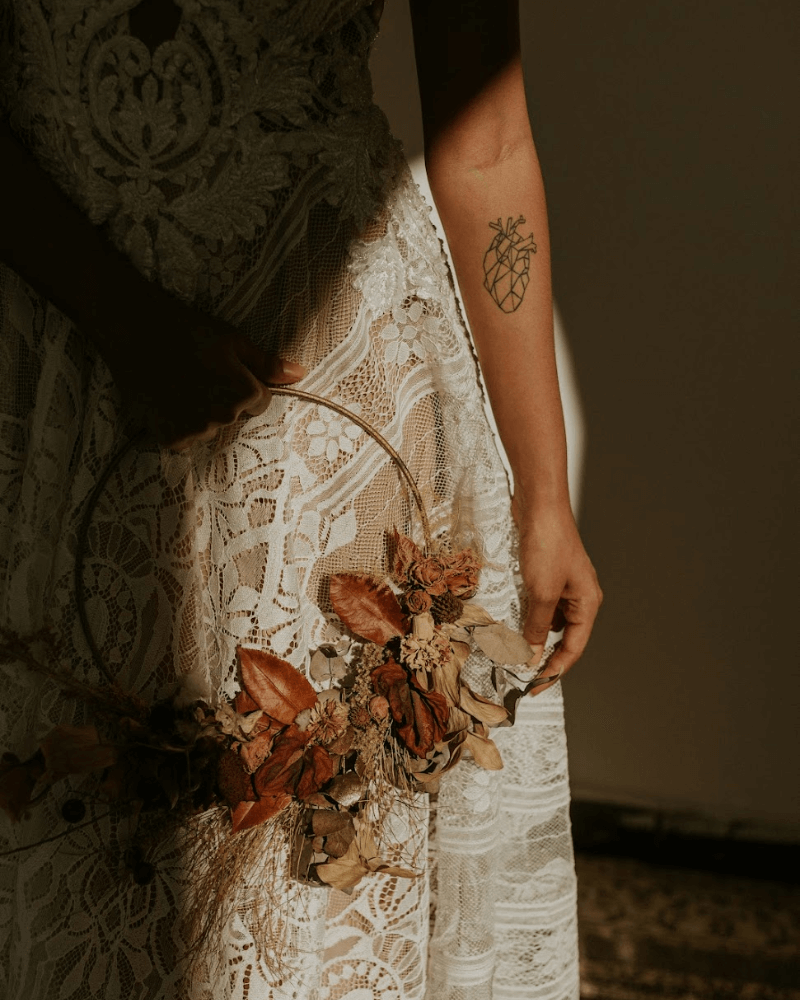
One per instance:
(562,586)
(185,374)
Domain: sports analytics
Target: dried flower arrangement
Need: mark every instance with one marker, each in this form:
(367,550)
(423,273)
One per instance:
(322,768)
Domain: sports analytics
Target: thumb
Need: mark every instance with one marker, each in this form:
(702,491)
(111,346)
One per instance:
(539,621)
(268,367)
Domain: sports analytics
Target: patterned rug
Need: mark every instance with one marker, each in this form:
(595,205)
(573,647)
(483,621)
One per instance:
(650,931)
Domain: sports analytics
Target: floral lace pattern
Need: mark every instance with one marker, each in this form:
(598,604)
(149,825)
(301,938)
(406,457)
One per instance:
(243,166)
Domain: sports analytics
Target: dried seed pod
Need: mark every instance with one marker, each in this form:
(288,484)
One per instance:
(73,810)
(447,608)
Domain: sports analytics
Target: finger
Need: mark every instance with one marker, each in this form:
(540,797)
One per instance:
(539,621)
(268,367)
(258,406)
(559,620)
(253,398)
(571,647)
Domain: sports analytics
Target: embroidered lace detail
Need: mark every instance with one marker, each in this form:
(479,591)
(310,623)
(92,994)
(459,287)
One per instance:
(243,166)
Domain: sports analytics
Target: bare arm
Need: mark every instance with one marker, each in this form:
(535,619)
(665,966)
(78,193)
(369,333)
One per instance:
(183,373)
(485,179)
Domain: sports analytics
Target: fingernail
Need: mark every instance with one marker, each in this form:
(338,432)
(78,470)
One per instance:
(291,370)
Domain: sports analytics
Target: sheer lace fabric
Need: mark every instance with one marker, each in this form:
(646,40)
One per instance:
(243,166)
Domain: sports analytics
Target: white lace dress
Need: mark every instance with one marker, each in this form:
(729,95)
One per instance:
(244,167)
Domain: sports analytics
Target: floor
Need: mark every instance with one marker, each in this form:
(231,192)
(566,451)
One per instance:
(669,917)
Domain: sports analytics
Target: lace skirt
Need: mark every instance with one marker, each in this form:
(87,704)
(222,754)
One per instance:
(191,555)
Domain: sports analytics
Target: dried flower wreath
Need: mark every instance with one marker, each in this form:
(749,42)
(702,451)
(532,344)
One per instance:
(320,766)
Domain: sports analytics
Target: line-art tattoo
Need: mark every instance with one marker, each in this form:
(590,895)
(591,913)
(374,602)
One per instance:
(506,264)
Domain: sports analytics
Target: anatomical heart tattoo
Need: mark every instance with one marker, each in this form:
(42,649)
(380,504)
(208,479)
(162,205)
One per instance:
(506,264)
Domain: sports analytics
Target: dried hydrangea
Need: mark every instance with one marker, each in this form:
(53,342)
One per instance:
(427,647)
(328,720)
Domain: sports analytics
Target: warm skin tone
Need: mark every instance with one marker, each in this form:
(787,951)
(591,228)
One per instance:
(482,166)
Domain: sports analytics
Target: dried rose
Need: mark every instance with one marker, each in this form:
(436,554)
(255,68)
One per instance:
(254,752)
(406,554)
(461,573)
(418,601)
(420,716)
(17,781)
(378,707)
(429,574)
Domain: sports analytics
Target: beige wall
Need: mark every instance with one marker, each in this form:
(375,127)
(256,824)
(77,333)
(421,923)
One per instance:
(664,133)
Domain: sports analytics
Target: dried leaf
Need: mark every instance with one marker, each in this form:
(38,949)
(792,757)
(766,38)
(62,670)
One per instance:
(501,644)
(461,651)
(281,769)
(346,872)
(474,615)
(420,716)
(367,607)
(250,814)
(338,843)
(458,722)
(75,750)
(458,634)
(376,865)
(342,744)
(481,708)
(274,685)
(316,771)
(346,789)
(446,680)
(324,667)
(324,822)
(484,751)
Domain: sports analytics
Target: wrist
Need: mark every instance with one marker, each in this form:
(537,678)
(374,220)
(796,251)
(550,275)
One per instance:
(537,504)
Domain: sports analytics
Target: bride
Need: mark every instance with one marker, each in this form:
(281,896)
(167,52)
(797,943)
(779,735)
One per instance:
(202,201)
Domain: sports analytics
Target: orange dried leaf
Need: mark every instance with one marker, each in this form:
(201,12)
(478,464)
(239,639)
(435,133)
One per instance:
(274,685)
(367,607)
(250,814)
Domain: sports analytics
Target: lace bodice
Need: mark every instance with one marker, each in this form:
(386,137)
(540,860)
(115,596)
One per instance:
(203,155)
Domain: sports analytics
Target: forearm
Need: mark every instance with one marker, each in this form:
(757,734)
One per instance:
(55,248)
(513,337)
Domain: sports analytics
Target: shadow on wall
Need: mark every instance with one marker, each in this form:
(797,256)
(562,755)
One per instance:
(663,131)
